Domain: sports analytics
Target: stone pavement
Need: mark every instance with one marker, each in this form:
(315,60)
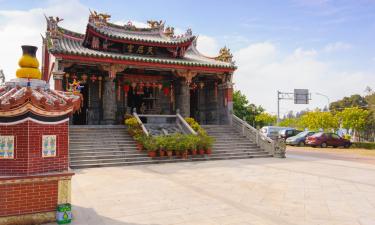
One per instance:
(293,191)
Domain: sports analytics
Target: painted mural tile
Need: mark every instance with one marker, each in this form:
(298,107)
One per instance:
(49,145)
(6,147)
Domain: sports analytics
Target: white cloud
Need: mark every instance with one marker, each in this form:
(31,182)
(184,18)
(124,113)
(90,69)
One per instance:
(263,69)
(208,45)
(337,46)
(23,27)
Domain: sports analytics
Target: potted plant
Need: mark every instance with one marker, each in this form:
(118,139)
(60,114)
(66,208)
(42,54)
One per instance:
(169,145)
(192,144)
(200,144)
(160,142)
(208,144)
(139,140)
(151,147)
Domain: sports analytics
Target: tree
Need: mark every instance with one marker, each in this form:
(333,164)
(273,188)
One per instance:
(290,122)
(265,119)
(346,102)
(243,109)
(353,118)
(319,120)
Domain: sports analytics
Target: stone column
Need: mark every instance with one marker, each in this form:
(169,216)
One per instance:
(58,77)
(226,102)
(184,98)
(109,102)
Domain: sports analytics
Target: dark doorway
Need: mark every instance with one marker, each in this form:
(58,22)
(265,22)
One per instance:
(194,113)
(79,118)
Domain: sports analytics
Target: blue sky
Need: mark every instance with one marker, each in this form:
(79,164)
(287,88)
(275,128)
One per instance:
(277,44)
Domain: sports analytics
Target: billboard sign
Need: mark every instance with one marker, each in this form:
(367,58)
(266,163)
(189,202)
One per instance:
(301,96)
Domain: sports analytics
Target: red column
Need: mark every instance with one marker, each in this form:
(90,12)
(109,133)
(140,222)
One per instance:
(58,77)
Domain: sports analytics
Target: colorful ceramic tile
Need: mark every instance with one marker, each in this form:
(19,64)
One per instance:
(6,147)
(49,145)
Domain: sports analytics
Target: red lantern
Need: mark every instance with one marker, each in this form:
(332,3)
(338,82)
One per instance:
(126,89)
(84,78)
(93,78)
(74,77)
(160,86)
(166,91)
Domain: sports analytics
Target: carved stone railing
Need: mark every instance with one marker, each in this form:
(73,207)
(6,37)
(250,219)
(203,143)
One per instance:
(177,120)
(140,122)
(276,148)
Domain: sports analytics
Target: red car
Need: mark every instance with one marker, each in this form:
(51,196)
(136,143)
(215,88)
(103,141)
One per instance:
(327,139)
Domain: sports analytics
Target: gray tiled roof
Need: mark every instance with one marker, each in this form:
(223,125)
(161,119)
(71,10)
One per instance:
(145,35)
(66,45)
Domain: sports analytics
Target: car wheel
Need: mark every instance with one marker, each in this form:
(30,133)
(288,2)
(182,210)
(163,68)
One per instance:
(323,145)
(346,145)
(301,144)
(334,146)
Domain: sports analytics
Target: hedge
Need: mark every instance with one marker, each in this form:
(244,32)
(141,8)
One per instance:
(365,145)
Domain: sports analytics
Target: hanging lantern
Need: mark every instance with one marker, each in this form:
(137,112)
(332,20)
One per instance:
(93,78)
(84,78)
(201,85)
(100,86)
(140,89)
(126,88)
(166,91)
(67,75)
(74,77)
(160,86)
(193,86)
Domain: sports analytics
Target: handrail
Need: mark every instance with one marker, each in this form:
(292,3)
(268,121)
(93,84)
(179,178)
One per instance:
(275,148)
(140,122)
(185,124)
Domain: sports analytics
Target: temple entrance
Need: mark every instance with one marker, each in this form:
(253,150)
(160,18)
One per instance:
(145,100)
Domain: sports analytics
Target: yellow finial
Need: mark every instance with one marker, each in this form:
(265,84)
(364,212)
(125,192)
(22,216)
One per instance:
(29,64)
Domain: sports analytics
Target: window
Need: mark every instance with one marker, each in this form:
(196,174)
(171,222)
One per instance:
(335,136)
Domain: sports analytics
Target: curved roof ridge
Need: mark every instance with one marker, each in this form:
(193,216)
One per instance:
(193,47)
(70,33)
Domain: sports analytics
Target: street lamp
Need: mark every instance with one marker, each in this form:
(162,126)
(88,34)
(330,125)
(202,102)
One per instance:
(317,93)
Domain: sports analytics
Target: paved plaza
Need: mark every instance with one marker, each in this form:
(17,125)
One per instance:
(297,190)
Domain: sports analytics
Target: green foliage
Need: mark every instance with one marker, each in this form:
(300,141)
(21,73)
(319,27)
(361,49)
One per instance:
(242,108)
(353,118)
(347,102)
(318,120)
(291,122)
(365,145)
(264,119)
(195,125)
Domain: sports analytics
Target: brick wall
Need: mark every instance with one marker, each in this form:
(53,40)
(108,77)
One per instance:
(25,198)
(28,149)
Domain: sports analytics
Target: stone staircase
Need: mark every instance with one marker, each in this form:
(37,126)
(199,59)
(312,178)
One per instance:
(230,144)
(110,145)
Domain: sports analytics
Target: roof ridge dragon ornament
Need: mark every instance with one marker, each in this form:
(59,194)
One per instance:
(99,19)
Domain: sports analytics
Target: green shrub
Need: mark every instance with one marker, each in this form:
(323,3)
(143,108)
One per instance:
(365,145)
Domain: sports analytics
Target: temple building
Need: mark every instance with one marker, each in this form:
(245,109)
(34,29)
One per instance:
(126,67)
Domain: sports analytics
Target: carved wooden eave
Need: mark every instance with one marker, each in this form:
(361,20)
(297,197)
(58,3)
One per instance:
(187,74)
(113,69)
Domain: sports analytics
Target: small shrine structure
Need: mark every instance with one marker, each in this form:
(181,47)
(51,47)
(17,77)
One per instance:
(34,168)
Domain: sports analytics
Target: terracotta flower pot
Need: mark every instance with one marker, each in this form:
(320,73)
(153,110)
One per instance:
(193,151)
(201,151)
(161,153)
(152,154)
(169,153)
(208,151)
(139,146)
(184,154)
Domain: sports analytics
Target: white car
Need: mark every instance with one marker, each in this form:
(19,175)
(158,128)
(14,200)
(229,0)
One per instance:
(272,131)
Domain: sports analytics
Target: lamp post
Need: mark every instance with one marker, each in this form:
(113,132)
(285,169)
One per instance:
(317,93)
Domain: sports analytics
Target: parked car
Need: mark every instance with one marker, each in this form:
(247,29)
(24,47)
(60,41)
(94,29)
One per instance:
(290,132)
(323,140)
(299,139)
(272,131)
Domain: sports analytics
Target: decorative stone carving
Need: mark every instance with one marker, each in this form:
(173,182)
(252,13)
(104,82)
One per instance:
(225,55)
(154,23)
(52,26)
(113,69)
(169,31)
(99,19)
(280,147)
(187,74)
(64,194)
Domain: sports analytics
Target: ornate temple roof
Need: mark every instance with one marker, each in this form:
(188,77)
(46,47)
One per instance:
(21,98)
(131,33)
(61,41)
